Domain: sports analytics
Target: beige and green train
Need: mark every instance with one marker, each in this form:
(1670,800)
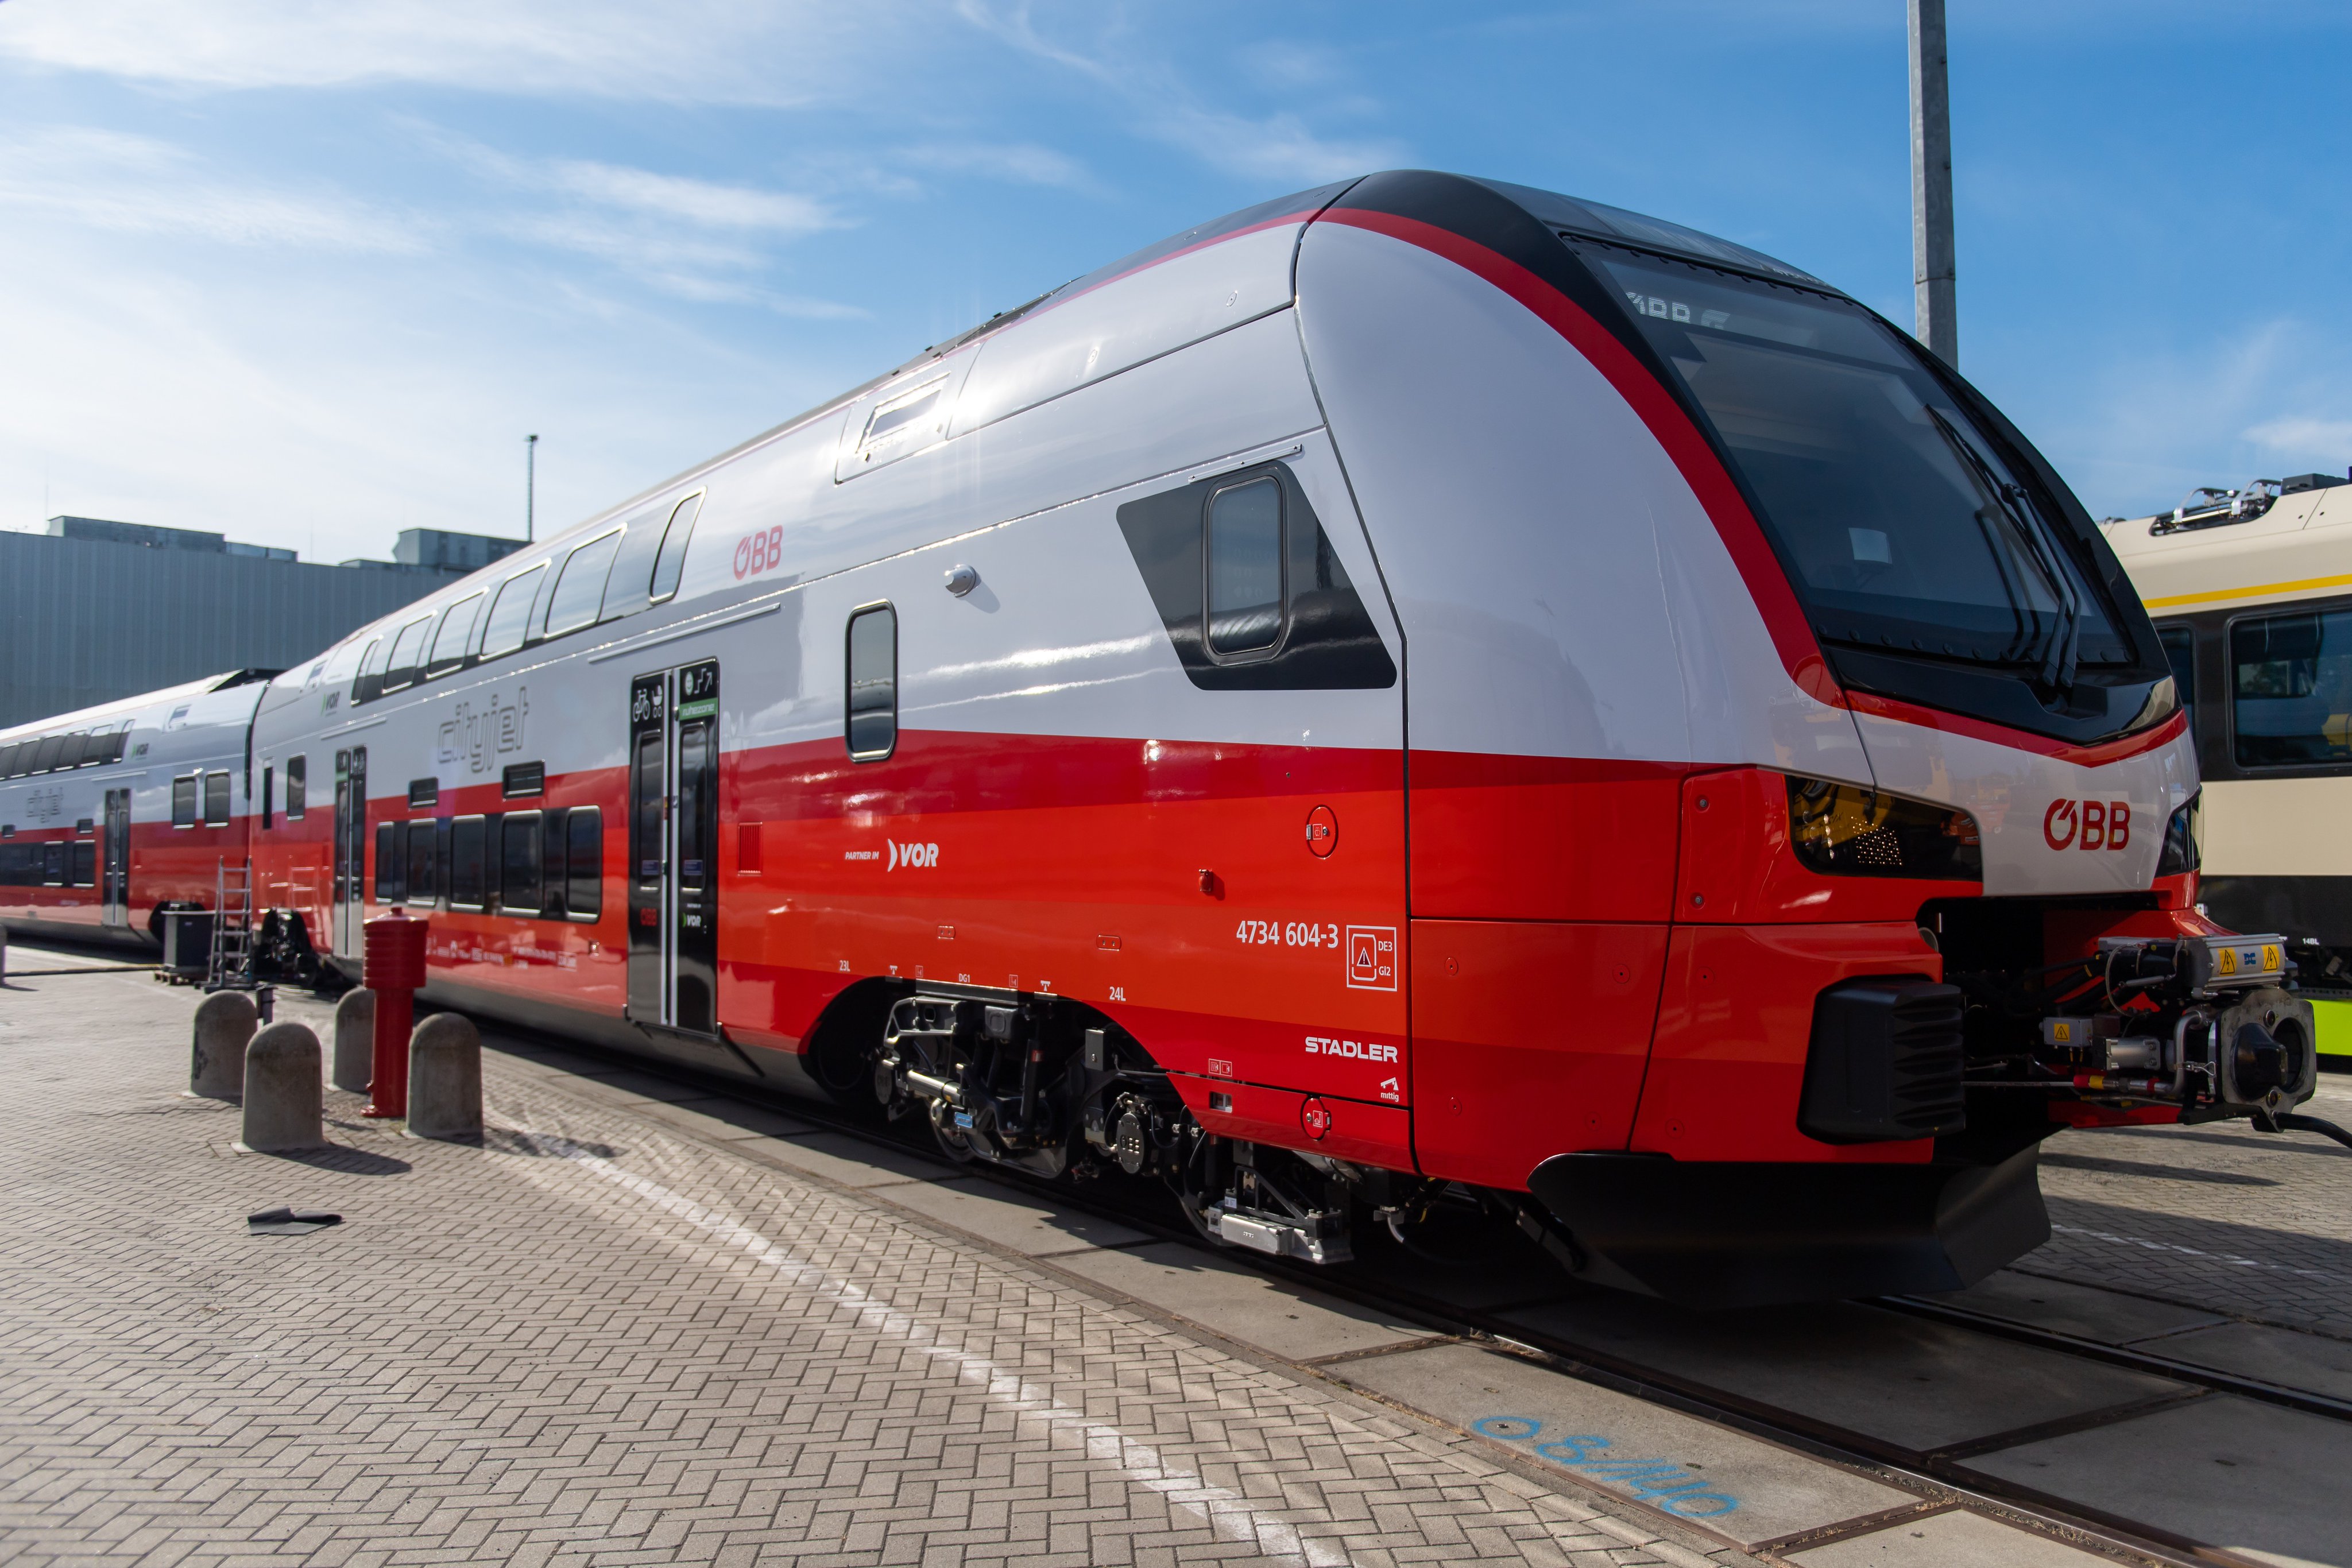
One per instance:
(2251,590)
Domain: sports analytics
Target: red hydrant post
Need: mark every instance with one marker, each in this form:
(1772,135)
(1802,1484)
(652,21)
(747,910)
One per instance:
(393,968)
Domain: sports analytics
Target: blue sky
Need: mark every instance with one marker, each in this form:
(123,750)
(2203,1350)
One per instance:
(306,272)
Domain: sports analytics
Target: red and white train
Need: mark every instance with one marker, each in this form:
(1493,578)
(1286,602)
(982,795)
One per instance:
(1422,686)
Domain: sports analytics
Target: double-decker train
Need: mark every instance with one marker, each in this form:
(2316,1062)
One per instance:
(1418,688)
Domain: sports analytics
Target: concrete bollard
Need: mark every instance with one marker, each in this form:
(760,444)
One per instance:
(224,1024)
(444,1078)
(355,1040)
(282,1091)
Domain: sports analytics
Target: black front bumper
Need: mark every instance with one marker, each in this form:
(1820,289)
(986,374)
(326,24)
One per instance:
(1752,1233)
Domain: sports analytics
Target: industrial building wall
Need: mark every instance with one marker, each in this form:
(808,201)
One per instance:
(84,622)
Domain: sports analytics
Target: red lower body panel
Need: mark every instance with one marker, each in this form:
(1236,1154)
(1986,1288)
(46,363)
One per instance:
(1728,1067)
(1529,1041)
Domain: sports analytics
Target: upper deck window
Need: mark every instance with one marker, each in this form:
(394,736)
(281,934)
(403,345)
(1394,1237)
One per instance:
(1905,529)
(510,612)
(672,560)
(457,630)
(407,652)
(580,591)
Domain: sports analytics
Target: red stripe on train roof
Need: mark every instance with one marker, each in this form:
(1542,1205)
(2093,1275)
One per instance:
(1702,470)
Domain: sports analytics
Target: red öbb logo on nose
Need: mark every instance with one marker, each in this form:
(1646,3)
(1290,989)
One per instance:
(2087,824)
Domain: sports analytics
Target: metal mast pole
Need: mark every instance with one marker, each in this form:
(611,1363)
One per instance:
(1932,268)
(530,483)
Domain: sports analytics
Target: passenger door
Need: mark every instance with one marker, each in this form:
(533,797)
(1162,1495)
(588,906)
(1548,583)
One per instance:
(114,900)
(351,851)
(673,873)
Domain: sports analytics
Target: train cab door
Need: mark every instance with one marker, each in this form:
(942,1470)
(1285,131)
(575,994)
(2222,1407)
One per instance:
(350,852)
(115,880)
(673,849)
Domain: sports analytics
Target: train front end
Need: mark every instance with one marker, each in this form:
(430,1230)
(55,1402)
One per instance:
(1860,713)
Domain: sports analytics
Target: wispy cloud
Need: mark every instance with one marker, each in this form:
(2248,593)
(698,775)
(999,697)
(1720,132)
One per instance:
(2302,434)
(702,202)
(1164,107)
(765,52)
(127,185)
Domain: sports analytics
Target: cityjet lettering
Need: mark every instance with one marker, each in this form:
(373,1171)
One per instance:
(476,735)
(1360,1051)
(2087,825)
(920,857)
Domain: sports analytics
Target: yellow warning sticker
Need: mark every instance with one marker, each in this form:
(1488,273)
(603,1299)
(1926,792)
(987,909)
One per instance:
(2226,960)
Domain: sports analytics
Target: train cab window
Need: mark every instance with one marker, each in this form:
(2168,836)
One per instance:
(215,799)
(2180,652)
(519,864)
(1906,523)
(407,651)
(85,866)
(2291,689)
(391,866)
(423,839)
(671,562)
(449,642)
(1245,568)
(298,779)
(468,871)
(184,801)
(368,684)
(873,722)
(583,863)
(580,590)
(509,615)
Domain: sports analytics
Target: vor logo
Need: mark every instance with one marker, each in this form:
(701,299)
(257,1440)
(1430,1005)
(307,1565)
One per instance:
(2087,825)
(917,856)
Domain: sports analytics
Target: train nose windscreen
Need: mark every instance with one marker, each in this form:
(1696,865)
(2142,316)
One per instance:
(1917,545)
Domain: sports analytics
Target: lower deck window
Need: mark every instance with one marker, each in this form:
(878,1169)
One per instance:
(584,867)
(468,867)
(520,857)
(391,864)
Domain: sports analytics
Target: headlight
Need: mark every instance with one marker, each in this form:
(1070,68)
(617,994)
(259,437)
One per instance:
(2180,855)
(1849,830)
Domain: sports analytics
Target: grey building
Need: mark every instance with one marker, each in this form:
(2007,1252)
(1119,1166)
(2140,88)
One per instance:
(95,610)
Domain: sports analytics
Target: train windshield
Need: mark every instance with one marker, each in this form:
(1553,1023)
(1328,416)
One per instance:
(1906,530)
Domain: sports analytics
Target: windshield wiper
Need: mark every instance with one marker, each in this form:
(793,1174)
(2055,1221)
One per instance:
(2058,650)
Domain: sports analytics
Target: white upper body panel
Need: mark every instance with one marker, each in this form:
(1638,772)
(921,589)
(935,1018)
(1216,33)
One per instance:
(1561,590)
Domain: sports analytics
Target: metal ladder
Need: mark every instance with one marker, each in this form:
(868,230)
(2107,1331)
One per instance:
(232,955)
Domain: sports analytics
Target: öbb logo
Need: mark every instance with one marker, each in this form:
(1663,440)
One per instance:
(915,856)
(2087,825)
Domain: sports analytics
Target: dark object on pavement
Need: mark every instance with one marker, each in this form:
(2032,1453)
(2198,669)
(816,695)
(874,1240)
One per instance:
(290,1221)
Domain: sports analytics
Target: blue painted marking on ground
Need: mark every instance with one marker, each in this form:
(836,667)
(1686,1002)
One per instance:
(1665,1483)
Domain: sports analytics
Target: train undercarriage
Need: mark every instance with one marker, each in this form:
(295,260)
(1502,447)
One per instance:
(2155,1019)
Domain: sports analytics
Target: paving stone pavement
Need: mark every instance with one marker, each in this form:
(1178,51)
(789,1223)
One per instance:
(2252,1225)
(596,1339)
